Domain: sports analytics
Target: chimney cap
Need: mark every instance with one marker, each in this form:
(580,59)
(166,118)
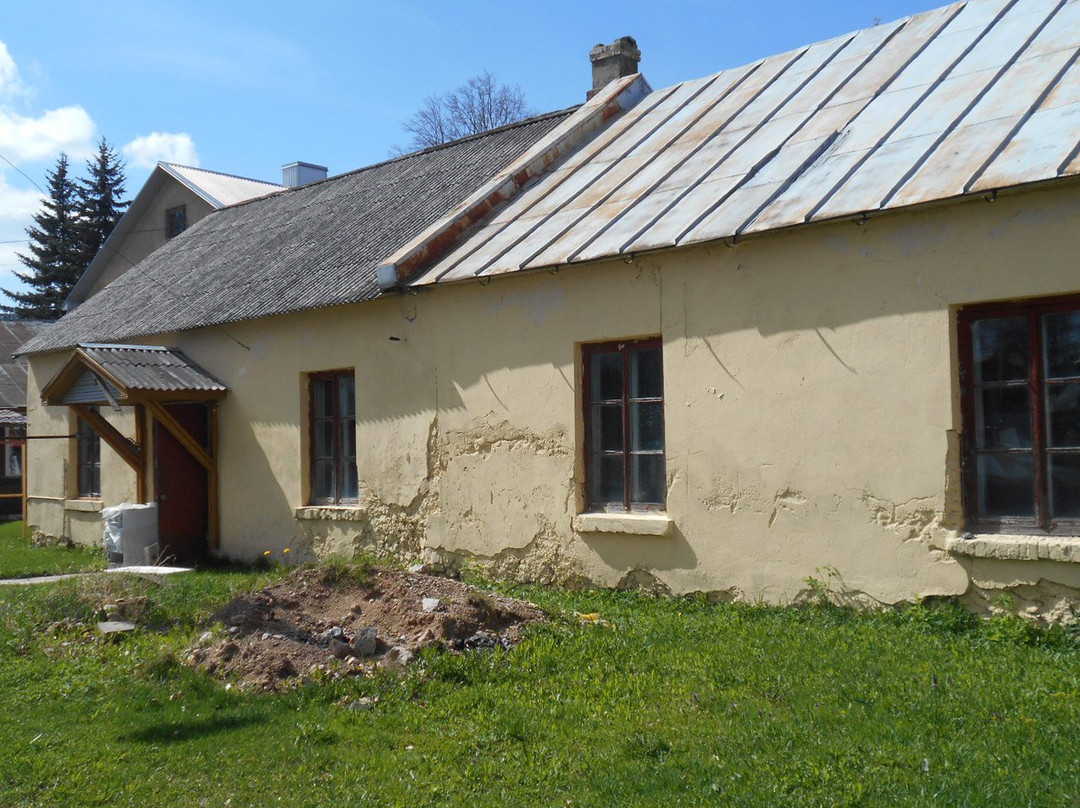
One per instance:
(623,46)
(614,61)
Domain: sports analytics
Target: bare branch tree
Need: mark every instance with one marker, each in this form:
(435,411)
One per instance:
(482,103)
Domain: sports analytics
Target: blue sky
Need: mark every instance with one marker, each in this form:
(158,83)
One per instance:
(244,87)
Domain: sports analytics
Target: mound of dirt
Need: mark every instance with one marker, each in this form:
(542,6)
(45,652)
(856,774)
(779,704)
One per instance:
(328,623)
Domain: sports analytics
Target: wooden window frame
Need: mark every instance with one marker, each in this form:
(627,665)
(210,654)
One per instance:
(171,217)
(12,433)
(87,460)
(1033,310)
(334,376)
(624,347)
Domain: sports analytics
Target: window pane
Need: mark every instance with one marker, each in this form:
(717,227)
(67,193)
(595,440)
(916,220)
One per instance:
(607,428)
(348,438)
(1006,485)
(606,480)
(1063,415)
(1001,349)
(347,395)
(646,373)
(1062,344)
(322,486)
(606,375)
(647,479)
(324,402)
(13,466)
(1064,486)
(647,427)
(1004,418)
(324,439)
(347,475)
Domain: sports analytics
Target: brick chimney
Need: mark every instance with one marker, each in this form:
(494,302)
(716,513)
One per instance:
(614,61)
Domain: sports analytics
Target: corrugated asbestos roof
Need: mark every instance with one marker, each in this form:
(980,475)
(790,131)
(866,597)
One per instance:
(150,368)
(220,190)
(14,333)
(308,247)
(965,99)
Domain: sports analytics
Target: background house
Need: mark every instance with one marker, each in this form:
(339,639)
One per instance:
(813,312)
(173,198)
(13,333)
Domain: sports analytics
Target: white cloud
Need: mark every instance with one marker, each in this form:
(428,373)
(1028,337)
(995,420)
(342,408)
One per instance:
(10,84)
(68,129)
(146,150)
(16,204)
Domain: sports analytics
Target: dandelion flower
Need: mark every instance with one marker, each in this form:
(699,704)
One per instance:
(266,552)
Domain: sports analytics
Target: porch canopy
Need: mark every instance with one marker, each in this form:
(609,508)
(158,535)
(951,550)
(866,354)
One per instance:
(146,377)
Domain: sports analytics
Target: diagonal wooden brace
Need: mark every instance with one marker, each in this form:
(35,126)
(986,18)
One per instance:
(183,437)
(130,451)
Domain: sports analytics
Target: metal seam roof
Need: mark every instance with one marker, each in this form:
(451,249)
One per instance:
(972,97)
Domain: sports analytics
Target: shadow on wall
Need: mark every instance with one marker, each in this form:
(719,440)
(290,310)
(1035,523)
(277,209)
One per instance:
(619,551)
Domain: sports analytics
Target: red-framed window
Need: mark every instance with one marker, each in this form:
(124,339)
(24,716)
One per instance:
(333,437)
(1020,393)
(624,426)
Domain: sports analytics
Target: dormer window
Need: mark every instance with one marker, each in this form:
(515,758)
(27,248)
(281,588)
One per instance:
(175,221)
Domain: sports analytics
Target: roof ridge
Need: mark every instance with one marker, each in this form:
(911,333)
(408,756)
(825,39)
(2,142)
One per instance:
(429,150)
(220,173)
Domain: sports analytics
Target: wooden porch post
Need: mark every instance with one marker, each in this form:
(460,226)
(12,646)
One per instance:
(140,440)
(213,502)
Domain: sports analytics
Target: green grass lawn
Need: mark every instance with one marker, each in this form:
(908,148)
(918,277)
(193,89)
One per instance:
(667,702)
(19,559)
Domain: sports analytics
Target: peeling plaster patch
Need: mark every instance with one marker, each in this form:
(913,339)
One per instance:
(790,501)
(641,580)
(730,595)
(543,560)
(1041,601)
(483,438)
(728,494)
(536,303)
(915,519)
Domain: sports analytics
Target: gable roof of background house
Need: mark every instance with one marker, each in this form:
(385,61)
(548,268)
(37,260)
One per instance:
(218,190)
(308,247)
(963,100)
(14,333)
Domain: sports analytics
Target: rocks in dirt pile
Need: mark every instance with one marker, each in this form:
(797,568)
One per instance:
(430,604)
(397,657)
(366,641)
(339,648)
(328,626)
(480,640)
(331,634)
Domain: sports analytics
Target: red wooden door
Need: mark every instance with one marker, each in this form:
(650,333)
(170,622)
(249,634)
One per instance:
(181,486)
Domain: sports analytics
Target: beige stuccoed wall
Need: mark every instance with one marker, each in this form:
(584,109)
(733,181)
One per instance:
(55,510)
(811,410)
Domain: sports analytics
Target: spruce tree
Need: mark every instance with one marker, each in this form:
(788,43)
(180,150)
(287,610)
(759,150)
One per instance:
(100,200)
(54,262)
